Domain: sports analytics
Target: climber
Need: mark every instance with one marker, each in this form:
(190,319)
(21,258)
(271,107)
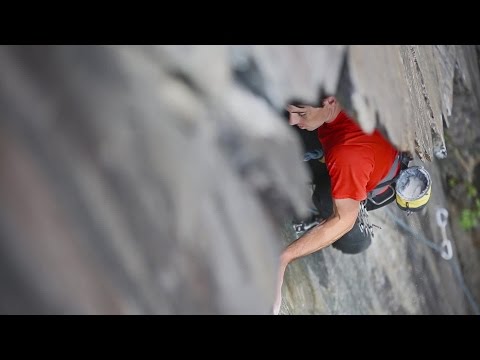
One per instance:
(354,164)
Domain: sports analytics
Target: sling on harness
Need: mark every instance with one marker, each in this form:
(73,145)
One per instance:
(384,193)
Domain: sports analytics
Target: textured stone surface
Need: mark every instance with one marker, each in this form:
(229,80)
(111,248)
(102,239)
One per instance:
(161,179)
(139,180)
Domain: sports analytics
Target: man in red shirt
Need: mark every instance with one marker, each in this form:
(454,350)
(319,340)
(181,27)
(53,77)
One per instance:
(356,163)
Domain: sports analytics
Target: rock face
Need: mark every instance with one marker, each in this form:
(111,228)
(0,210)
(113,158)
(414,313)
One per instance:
(139,180)
(162,179)
(409,90)
(414,94)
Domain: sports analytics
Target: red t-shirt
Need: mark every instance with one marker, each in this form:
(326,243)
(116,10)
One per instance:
(356,161)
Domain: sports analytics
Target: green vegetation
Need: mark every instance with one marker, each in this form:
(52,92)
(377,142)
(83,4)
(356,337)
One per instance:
(467,195)
(470,217)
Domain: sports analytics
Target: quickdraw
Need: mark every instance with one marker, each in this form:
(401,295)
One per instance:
(363,222)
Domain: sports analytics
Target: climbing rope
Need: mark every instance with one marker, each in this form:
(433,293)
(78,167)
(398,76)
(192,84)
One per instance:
(445,249)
